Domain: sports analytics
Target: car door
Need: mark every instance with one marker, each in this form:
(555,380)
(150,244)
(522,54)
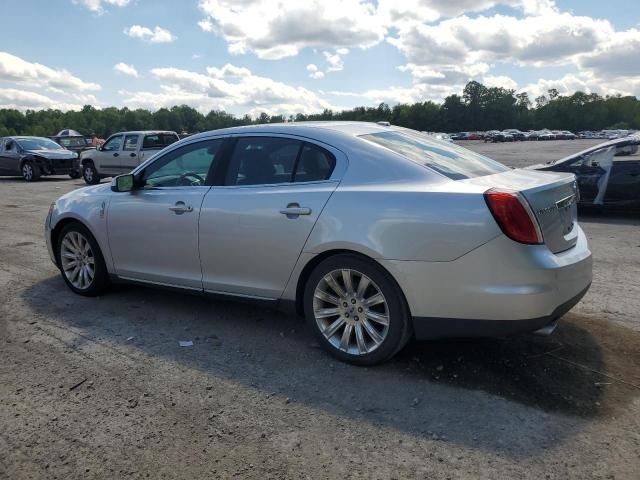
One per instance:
(253,228)
(624,181)
(4,161)
(129,157)
(108,157)
(10,157)
(153,230)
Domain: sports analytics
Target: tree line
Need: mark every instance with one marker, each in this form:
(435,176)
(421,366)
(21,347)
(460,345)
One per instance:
(479,108)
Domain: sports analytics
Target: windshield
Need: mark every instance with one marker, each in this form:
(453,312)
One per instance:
(72,141)
(450,160)
(36,143)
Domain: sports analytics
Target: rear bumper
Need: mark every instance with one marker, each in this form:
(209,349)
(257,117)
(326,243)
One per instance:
(429,328)
(500,287)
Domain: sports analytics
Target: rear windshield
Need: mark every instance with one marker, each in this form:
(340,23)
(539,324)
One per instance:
(450,160)
(72,141)
(159,140)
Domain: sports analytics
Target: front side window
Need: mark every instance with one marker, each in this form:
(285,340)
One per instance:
(263,161)
(130,143)
(187,166)
(113,144)
(450,160)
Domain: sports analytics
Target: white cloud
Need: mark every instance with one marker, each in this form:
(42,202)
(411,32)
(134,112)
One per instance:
(232,88)
(335,61)
(157,35)
(314,71)
(96,6)
(500,81)
(274,29)
(126,69)
(15,69)
(23,100)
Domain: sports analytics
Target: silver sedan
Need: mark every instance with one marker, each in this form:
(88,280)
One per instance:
(376,234)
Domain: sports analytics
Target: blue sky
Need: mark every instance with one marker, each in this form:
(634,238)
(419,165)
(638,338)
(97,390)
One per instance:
(285,57)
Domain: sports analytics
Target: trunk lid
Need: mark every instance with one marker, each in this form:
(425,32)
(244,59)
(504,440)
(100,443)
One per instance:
(552,197)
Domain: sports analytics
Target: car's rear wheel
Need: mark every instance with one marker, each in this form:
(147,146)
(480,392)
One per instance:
(30,172)
(90,174)
(81,261)
(357,312)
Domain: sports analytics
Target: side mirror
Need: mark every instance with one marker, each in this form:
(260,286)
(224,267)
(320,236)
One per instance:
(123,183)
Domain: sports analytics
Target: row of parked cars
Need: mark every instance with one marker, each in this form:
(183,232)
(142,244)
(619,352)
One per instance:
(515,135)
(70,153)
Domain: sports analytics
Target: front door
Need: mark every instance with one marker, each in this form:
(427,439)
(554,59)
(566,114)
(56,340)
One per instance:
(153,230)
(253,229)
(129,157)
(108,156)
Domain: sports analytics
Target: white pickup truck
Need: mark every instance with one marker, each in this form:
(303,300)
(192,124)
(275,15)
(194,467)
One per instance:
(122,152)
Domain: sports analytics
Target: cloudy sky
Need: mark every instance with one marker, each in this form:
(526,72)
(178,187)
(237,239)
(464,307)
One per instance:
(279,56)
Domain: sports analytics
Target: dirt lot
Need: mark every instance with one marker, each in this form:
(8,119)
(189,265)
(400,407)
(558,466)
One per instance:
(95,388)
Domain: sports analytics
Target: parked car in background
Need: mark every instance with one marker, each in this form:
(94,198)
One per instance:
(373,232)
(459,136)
(608,174)
(122,152)
(545,135)
(498,136)
(517,134)
(33,157)
(72,140)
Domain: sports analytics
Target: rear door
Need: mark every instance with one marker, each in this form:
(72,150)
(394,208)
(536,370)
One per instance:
(624,182)
(254,226)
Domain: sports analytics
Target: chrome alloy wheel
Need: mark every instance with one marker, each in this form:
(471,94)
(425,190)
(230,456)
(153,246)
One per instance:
(27,171)
(351,311)
(78,261)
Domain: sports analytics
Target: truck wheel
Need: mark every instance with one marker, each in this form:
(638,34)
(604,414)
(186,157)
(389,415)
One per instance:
(90,174)
(30,172)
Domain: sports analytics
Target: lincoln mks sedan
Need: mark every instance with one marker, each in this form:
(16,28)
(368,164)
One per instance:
(376,234)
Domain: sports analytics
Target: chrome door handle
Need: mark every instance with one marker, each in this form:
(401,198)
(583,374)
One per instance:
(294,209)
(179,208)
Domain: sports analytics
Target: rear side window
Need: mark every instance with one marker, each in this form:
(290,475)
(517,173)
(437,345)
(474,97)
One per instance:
(159,140)
(130,143)
(315,164)
(263,161)
(452,161)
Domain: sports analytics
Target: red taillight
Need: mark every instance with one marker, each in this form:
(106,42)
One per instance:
(513,216)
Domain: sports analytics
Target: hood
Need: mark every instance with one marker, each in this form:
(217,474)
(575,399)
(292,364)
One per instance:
(60,154)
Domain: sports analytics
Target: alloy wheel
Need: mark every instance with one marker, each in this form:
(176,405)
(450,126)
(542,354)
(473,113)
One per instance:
(27,172)
(78,260)
(351,311)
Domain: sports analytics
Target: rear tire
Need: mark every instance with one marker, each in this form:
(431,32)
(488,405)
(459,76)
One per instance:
(81,262)
(358,324)
(90,174)
(30,171)
(75,174)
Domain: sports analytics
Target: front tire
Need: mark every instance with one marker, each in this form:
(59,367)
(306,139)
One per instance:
(81,262)
(90,174)
(30,172)
(356,310)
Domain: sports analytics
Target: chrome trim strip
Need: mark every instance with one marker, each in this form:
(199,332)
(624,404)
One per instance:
(162,284)
(229,294)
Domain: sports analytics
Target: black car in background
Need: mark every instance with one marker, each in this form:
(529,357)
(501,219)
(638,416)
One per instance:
(32,157)
(72,140)
(608,174)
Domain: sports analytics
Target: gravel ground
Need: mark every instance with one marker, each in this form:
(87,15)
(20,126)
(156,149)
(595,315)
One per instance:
(95,388)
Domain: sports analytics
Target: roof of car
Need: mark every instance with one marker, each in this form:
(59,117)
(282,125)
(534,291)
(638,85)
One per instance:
(610,143)
(343,127)
(144,132)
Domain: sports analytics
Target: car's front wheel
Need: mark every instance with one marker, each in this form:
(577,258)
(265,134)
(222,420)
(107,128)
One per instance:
(30,172)
(75,174)
(356,310)
(90,174)
(81,261)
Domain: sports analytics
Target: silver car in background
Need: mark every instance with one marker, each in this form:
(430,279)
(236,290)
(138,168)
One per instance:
(376,234)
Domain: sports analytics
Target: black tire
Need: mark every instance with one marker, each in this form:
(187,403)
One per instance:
(100,281)
(399,324)
(30,171)
(90,174)
(75,174)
